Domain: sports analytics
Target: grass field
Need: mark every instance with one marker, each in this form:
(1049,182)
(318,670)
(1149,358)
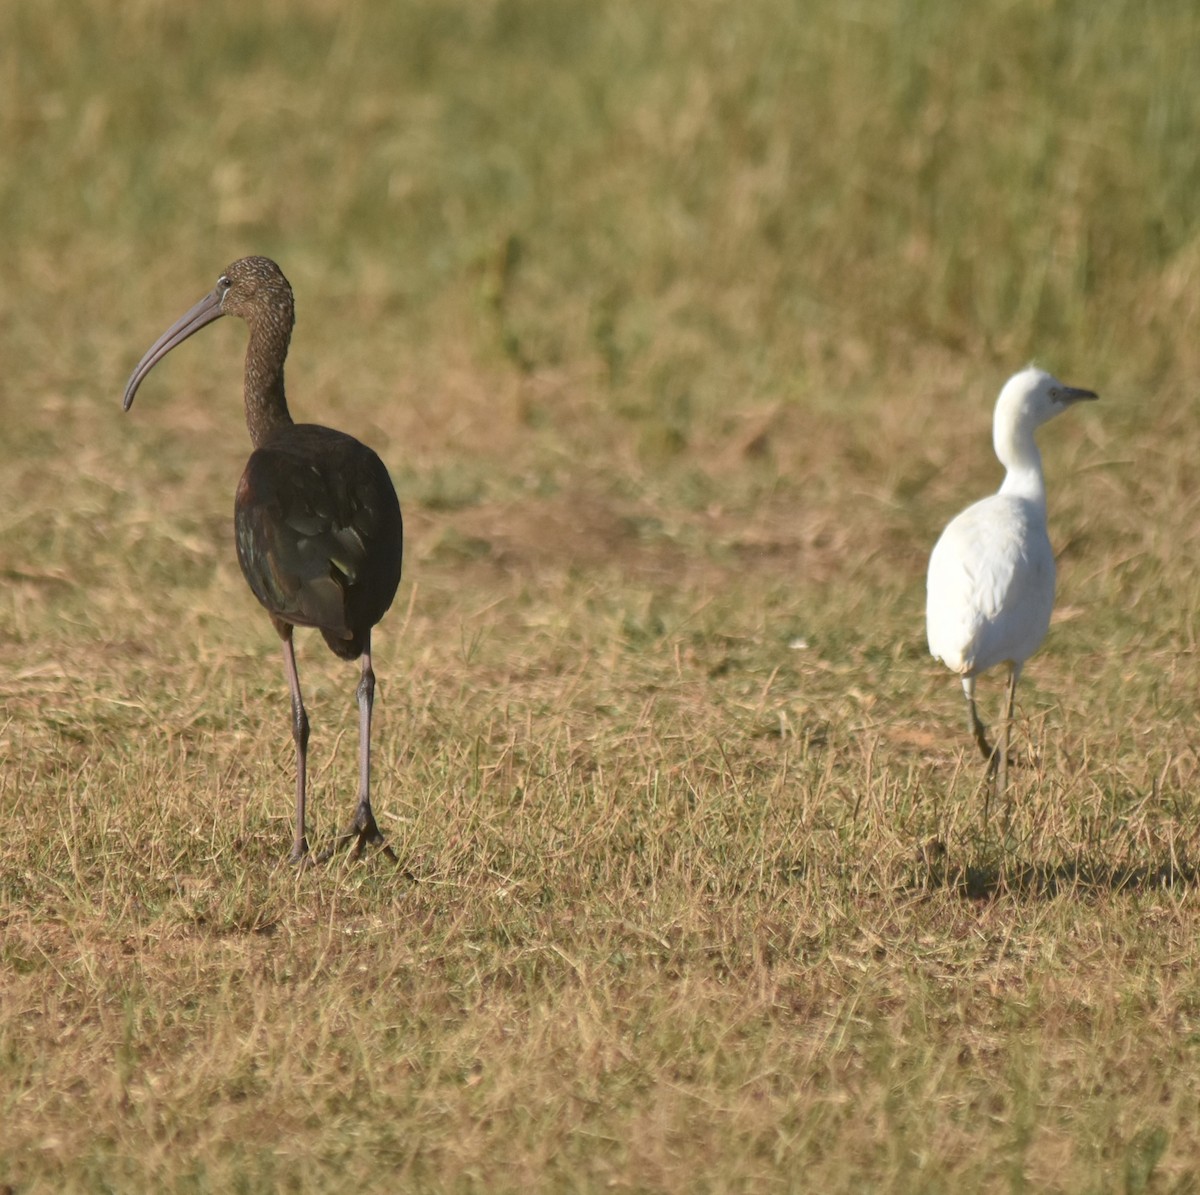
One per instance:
(679,327)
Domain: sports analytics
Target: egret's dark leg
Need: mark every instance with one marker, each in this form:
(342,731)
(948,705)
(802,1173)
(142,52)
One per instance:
(978,730)
(1002,774)
(363,830)
(300,738)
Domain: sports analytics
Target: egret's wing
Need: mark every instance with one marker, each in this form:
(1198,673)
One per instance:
(990,587)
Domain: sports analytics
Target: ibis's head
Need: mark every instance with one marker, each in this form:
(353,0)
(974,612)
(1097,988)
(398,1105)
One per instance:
(253,288)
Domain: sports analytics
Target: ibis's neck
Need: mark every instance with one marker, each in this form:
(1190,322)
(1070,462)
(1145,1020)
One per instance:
(1018,453)
(266,403)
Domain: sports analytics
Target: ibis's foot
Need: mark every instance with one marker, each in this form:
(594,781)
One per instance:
(363,831)
(300,858)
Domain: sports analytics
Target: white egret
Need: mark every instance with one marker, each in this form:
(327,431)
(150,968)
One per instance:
(990,588)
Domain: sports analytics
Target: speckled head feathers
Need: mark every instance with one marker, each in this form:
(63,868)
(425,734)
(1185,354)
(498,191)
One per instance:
(252,286)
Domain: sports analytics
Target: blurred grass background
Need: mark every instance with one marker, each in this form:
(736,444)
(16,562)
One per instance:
(679,327)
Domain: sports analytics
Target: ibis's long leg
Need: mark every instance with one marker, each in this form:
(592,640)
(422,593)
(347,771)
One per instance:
(363,830)
(300,737)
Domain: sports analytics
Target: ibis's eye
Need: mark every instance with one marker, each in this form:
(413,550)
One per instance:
(223,283)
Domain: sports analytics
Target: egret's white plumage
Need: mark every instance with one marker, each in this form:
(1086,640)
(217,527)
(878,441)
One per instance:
(990,589)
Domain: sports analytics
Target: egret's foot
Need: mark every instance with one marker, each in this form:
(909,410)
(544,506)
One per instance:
(985,748)
(994,763)
(997,793)
(363,831)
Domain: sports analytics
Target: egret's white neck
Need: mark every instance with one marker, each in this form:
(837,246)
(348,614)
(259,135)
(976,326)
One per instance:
(1012,437)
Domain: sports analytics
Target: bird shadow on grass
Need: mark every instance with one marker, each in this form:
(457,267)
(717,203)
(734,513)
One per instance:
(1045,881)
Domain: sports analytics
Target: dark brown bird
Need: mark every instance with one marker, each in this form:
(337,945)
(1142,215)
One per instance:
(319,533)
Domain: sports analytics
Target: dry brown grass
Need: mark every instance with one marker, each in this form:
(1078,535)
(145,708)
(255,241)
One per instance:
(695,892)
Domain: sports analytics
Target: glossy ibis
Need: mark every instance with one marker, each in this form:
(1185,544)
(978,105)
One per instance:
(319,533)
(990,589)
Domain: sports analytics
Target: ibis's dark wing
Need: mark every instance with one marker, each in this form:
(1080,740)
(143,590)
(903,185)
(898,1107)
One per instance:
(319,533)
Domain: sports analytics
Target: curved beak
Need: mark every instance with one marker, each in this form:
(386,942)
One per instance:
(204,312)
